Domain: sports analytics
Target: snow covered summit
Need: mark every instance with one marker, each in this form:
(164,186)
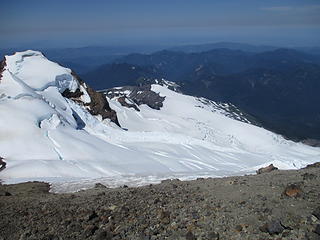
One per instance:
(55,126)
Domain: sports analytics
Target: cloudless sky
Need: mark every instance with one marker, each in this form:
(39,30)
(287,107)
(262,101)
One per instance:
(68,23)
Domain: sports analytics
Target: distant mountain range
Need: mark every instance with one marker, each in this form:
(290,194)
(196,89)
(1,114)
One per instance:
(239,46)
(121,74)
(230,45)
(278,87)
(85,59)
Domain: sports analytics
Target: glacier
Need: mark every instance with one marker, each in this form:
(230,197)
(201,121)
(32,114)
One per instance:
(41,137)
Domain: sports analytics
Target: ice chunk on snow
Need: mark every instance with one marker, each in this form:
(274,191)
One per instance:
(50,123)
(85,96)
(66,81)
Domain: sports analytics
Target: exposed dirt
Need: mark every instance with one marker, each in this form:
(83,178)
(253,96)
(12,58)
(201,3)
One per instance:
(274,205)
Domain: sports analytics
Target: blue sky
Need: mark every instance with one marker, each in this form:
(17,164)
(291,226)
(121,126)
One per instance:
(158,22)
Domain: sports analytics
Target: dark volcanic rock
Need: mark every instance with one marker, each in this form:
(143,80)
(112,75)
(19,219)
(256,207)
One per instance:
(102,234)
(4,193)
(190,236)
(139,95)
(311,142)
(273,227)
(214,236)
(267,169)
(2,66)
(89,230)
(317,230)
(98,104)
(123,101)
(292,190)
(92,215)
(316,213)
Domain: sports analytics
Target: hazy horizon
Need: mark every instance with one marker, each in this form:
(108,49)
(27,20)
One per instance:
(56,24)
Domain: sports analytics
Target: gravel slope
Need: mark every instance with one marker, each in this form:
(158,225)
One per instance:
(247,207)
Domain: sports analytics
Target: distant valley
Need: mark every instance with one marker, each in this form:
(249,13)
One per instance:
(279,87)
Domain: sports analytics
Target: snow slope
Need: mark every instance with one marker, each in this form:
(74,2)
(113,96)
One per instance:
(188,137)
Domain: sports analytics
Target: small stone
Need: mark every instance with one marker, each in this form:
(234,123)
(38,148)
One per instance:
(92,215)
(89,230)
(5,193)
(266,169)
(52,237)
(113,207)
(273,227)
(164,216)
(313,219)
(103,235)
(292,190)
(125,209)
(213,236)
(238,228)
(190,236)
(195,215)
(174,226)
(316,213)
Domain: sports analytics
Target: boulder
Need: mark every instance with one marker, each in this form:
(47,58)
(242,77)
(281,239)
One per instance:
(266,169)
(273,227)
(292,190)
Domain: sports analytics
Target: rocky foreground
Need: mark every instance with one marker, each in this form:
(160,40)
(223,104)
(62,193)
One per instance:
(274,205)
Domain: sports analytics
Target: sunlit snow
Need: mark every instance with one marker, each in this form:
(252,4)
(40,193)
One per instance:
(187,138)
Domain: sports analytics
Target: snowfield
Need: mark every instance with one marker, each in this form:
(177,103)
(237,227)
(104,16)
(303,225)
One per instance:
(40,137)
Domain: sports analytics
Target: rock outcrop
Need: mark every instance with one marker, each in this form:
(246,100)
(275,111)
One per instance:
(266,169)
(312,142)
(139,95)
(124,101)
(2,66)
(97,105)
